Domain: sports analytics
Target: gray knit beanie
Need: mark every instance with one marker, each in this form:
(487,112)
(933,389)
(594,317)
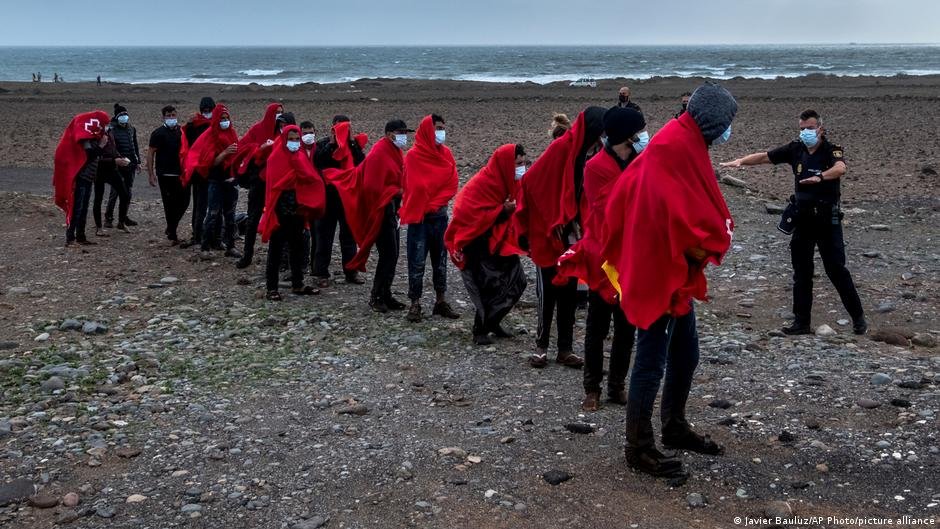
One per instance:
(713,108)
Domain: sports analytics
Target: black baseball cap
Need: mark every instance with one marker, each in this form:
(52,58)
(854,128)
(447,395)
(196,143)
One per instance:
(396,125)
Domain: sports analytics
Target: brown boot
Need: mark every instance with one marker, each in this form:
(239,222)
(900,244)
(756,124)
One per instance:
(617,395)
(591,402)
(569,359)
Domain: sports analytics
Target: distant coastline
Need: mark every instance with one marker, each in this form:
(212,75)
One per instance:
(543,65)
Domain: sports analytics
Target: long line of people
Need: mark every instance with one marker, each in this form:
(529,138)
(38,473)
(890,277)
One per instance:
(635,218)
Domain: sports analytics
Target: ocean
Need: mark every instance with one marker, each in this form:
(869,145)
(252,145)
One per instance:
(542,64)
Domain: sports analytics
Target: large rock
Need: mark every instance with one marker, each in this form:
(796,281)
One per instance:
(313,523)
(52,384)
(890,337)
(70,325)
(16,491)
(923,339)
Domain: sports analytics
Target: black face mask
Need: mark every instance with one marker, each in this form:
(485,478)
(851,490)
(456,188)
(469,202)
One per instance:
(623,98)
(685,106)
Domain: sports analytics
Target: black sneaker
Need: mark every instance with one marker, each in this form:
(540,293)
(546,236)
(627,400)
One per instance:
(108,223)
(243,263)
(796,329)
(686,439)
(232,252)
(378,305)
(444,310)
(393,304)
(129,222)
(860,326)
(482,339)
(653,462)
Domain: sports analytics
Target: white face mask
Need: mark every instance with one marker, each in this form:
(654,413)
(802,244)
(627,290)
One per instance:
(225,124)
(520,170)
(207,115)
(643,139)
(293,145)
(277,116)
(440,136)
(401,140)
(309,138)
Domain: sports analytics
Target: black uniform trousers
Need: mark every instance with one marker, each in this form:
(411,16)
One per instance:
(817,225)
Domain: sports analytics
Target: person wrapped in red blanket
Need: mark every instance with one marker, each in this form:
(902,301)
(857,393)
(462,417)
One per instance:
(548,221)
(429,184)
(75,166)
(340,150)
(197,124)
(211,158)
(249,166)
(481,241)
(370,193)
(626,138)
(295,196)
(666,220)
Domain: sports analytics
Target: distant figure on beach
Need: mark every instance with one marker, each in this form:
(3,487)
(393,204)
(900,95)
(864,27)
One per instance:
(55,77)
(34,77)
(818,168)
(560,124)
(624,99)
(684,101)
(99,80)
(39,76)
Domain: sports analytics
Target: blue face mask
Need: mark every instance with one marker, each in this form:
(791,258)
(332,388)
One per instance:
(225,124)
(809,137)
(725,136)
(643,140)
(170,122)
(123,119)
(293,145)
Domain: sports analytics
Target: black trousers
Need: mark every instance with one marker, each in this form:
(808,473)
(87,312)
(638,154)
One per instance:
(223,198)
(666,355)
(325,232)
(817,226)
(175,202)
(114,180)
(80,196)
(565,300)
(255,209)
(387,245)
(599,316)
(126,174)
(200,189)
(289,234)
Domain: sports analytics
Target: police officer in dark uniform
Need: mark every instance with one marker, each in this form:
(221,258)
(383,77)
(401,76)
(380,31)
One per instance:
(818,166)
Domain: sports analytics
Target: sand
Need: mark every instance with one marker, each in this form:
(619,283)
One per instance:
(887,126)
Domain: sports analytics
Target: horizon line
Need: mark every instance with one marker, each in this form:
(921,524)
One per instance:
(572,45)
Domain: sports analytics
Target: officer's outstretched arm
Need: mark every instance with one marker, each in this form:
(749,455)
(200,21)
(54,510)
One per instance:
(757,158)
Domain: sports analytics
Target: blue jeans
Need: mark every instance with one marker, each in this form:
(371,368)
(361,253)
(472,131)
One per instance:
(670,347)
(423,239)
(223,197)
(80,198)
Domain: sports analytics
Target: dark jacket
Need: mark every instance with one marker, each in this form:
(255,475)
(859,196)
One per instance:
(125,139)
(323,158)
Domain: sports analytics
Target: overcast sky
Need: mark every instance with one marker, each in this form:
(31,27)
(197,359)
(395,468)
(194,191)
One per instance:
(457,22)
